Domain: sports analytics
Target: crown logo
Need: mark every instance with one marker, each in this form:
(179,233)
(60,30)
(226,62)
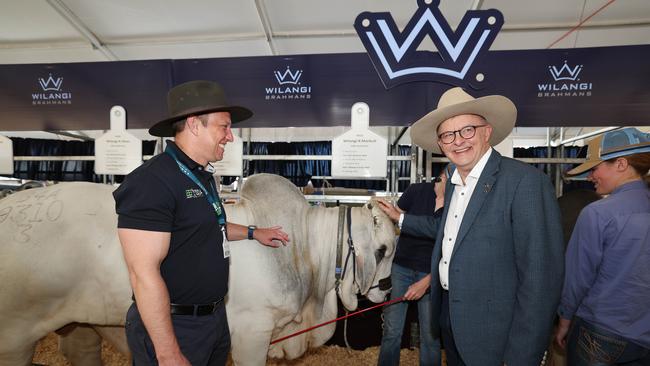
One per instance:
(288,77)
(565,72)
(395,54)
(50,84)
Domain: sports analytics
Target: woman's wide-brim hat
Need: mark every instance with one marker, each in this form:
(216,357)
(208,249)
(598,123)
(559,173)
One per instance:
(194,98)
(499,111)
(611,145)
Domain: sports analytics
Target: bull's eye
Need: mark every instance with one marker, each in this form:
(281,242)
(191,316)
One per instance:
(380,253)
(375,220)
(369,206)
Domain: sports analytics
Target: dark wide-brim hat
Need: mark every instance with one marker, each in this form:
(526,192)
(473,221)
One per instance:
(497,110)
(194,98)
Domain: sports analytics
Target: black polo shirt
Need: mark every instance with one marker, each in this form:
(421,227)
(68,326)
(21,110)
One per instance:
(157,196)
(414,252)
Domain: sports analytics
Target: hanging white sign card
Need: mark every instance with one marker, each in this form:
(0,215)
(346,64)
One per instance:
(6,156)
(232,162)
(117,151)
(359,152)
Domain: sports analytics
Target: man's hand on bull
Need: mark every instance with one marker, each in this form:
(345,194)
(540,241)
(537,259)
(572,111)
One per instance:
(271,236)
(391,211)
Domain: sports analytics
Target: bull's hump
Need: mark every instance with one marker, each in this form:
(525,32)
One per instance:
(275,190)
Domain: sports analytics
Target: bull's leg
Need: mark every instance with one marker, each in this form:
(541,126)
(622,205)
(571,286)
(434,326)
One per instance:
(250,338)
(81,345)
(17,356)
(116,336)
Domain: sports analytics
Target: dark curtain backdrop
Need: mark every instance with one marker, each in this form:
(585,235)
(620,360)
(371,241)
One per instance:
(297,171)
(300,172)
(60,171)
(569,152)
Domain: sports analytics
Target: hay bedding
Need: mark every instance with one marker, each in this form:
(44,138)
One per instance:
(47,353)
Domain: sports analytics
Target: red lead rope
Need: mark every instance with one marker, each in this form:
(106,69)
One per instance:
(337,319)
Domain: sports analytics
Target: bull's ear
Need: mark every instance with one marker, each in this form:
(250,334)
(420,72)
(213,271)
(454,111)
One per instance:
(369,205)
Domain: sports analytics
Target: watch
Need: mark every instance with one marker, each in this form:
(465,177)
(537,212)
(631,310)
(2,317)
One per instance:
(251,228)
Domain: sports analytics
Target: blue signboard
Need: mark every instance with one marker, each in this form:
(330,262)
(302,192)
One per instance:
(74,96)
(600,86)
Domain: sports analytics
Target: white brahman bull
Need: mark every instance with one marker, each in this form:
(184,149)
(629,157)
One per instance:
(61,263)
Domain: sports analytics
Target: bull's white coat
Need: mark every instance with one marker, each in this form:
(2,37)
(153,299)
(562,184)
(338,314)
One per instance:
(61,263)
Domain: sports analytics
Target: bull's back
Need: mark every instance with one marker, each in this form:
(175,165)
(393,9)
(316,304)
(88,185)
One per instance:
(59,249)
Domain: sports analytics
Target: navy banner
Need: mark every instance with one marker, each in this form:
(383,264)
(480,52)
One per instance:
(79,96)
(312,90)
(567,87)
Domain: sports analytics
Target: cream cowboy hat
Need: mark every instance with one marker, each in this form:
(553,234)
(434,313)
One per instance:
(611,145)
(497,110)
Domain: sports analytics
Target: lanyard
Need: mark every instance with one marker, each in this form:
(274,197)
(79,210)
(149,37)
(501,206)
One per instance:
(212,197)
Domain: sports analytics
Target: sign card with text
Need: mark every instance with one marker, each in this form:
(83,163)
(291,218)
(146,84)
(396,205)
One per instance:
(6,156)
(232,162)
(117,151)
(359,152)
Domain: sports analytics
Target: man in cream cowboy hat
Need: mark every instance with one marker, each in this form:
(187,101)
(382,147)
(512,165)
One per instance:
(497,265)
(175,234)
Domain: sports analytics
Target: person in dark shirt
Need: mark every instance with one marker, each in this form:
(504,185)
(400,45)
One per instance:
(411,279)
(175,235)
(605,305)
(571,203)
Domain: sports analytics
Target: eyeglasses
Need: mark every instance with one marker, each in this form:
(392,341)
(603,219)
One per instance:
(466,132)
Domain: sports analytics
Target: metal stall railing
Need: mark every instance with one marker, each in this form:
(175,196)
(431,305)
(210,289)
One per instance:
(421,163)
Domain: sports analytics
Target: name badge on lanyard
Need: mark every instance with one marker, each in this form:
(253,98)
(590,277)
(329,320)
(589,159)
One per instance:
(212,197)
(226,244)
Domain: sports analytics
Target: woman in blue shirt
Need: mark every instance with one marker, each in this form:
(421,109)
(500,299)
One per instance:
(605,306)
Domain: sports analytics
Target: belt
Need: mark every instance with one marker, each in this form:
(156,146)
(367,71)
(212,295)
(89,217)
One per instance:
(197,309)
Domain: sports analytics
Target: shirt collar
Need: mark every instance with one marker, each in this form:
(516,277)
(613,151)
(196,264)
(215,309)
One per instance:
(183,158)
(635,184)
(475,173)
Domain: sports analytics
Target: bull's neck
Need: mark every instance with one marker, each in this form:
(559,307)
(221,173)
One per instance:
(323,233)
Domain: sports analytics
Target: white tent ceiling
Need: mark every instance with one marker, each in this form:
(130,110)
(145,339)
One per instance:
(53,31)
(47,31)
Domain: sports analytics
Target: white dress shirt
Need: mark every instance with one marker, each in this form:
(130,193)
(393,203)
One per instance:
(459,201)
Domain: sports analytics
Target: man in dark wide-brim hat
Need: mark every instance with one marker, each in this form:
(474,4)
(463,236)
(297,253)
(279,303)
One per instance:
(496,268)
(175,234)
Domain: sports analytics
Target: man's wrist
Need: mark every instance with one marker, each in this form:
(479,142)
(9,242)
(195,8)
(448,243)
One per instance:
(400,220)
(251,231)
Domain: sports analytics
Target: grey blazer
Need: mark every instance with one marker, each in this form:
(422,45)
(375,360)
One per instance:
(507,266)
